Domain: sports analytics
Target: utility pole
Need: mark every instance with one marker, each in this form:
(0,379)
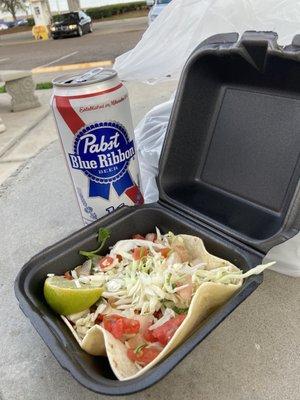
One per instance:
(74,5)
(41,12)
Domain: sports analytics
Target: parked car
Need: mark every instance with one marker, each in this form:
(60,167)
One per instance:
(22,22)
(156,8)
(11,24)
(71,24)
(3,27)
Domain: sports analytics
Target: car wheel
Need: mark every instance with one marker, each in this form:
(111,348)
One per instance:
(54,37)
(90,28)
(80,31)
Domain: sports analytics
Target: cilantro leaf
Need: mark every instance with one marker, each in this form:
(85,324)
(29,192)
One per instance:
(103,236)
(139,348)
(178,310)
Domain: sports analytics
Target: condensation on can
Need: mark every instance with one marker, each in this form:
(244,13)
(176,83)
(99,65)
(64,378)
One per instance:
(93,118)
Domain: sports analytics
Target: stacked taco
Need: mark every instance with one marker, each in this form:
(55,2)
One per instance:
(155,290)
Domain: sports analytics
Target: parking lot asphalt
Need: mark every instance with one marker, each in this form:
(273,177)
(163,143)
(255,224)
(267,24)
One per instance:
(109,39)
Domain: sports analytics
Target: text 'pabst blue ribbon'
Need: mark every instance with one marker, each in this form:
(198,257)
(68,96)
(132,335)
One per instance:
(102,151)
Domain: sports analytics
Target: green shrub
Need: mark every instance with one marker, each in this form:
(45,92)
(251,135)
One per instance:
(30,21)
(44,85)
(39,86)
(55,17)
(114,9)
(104,11)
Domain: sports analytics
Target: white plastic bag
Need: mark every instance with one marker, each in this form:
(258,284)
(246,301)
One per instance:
(183,24)
(287,257)
(149,135)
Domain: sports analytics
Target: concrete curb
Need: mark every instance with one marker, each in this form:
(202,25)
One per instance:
(27,130)
(4,185)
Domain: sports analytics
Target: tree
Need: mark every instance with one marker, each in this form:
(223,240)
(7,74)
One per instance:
(12,6)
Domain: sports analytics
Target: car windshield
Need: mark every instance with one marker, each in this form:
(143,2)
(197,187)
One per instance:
(163,1)
(67,18)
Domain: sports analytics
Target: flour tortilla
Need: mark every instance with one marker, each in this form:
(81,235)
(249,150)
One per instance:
(93,342)
(208,297)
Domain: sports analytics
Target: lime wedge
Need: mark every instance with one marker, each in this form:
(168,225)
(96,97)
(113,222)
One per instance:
(64,297)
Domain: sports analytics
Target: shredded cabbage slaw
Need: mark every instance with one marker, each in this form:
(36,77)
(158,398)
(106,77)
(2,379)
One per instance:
(155,282)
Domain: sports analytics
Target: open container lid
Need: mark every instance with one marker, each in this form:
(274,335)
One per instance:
(231,158)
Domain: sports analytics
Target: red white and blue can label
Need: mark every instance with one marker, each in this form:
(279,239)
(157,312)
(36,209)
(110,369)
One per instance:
(97,136)
(102,151)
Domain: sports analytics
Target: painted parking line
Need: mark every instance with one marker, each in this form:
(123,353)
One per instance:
(58,59)
(69,67)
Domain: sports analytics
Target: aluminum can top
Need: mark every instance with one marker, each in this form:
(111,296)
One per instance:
(95,75)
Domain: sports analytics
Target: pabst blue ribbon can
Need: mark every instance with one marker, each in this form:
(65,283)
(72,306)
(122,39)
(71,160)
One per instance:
(93,118)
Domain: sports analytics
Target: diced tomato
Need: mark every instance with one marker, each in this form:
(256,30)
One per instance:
(119,326)
(138,236)
(99,319)
(151,237)
(114,325)
(139,252)
(165,332)
(105,263)
(131,325)
(68,276)
(148,335)
(136,341)
(164,252)
(144,356)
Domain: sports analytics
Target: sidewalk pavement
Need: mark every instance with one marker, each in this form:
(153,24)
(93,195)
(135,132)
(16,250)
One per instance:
(26,133)
(253,355)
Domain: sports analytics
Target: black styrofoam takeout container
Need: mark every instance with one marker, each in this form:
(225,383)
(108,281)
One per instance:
(229,173)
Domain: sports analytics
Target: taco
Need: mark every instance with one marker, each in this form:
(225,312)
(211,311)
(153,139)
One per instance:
(156,290)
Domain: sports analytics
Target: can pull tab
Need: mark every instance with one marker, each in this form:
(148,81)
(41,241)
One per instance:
(88,75)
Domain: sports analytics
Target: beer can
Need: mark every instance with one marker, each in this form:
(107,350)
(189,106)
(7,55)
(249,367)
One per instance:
(93,118)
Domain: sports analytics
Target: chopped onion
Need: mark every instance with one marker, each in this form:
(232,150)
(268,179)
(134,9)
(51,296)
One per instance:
(158,234)
(100,309)
(83,279)
(181,287)
(77,283)
(77,316)
(114,285)
(127,245)
(74,274)
(84,269)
